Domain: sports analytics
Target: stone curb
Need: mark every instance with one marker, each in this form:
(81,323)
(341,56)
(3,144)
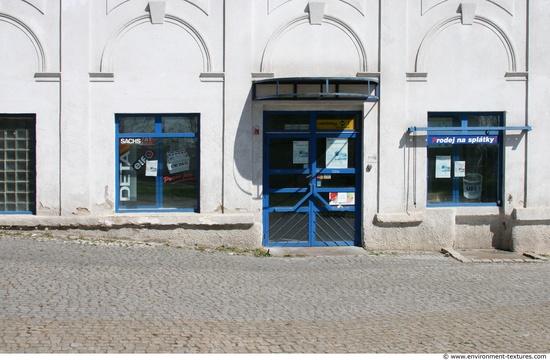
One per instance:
(456,255)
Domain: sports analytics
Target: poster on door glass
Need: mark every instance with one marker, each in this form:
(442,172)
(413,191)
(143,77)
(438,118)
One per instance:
(300,152)
(341,198)
(337,153)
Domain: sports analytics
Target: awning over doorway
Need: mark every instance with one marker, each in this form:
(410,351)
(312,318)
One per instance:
(316,88)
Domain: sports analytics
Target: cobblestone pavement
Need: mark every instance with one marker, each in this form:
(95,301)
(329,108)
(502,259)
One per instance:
(99,297)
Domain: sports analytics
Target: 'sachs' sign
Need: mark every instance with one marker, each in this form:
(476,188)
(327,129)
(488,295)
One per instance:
(462,139)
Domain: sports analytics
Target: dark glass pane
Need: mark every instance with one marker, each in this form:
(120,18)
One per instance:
(159,173)
(288,153)
(336,181)
(289,181)
(136,124)
(440,182)
(180,124)
(464,172)
(135,187)
(444,121)
(287,122)
(480,183)
(483,120)
(180,173)
(336,153)
(286,199)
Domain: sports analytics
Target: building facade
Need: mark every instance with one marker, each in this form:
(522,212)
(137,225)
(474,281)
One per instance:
(387,124)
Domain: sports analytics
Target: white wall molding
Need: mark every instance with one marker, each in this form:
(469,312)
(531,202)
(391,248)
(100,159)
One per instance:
(108,57)
(431,35)
(37,45)
(266,65)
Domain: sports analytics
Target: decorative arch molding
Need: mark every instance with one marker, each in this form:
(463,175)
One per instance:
(420,63)
(358,5)
(266,65)
(506,5)
(203,5)
(109,53)
(37,4)
(38,48)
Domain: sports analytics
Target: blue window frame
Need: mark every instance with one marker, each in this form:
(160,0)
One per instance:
(465,163)
(17,164)
(157,162)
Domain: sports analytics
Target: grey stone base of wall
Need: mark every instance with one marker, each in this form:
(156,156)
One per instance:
(525,230)
(211,230)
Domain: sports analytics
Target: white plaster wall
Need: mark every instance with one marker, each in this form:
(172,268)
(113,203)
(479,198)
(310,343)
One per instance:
(157,69)
(29,44)
(203,57)
(287,44)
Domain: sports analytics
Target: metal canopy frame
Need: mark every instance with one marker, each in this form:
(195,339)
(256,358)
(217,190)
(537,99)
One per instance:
(441,130)
(328,89)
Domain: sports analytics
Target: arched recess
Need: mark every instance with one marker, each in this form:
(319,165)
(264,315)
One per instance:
(109,53)
(31,36)
(266,64)
(420,60)
(203,5)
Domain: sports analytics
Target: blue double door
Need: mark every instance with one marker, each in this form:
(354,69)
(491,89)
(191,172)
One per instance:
(312,178)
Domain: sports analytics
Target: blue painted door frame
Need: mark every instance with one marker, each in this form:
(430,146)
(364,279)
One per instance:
(312,180)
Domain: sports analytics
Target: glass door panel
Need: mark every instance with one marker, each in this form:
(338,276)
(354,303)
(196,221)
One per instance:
(310,180)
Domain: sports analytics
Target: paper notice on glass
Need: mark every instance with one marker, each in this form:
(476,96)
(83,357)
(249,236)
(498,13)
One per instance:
(443,167)
(342,198)
(337,153)
(151,167)
(460,168)
(300,152)
(177,161)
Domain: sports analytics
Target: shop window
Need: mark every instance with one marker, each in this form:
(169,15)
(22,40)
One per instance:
(465,162)
(17,164)
(157,162)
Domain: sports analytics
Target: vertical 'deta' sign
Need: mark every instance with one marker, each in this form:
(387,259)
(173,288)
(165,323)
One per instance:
(128,175)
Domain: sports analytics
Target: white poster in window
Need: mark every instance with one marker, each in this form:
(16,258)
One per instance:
(300,152)
(177,161)
(337,153)
(460,168)
(443,167)
(151,167)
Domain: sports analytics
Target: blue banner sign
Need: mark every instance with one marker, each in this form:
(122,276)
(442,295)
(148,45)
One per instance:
(462,139)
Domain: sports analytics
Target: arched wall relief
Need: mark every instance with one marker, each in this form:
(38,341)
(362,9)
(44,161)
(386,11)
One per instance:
(109,53)
(203,5)
(457,21)
(37,4)
(274,4)
(358,5)
(506,5)
(31,36)
(427,5)
(266,64)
